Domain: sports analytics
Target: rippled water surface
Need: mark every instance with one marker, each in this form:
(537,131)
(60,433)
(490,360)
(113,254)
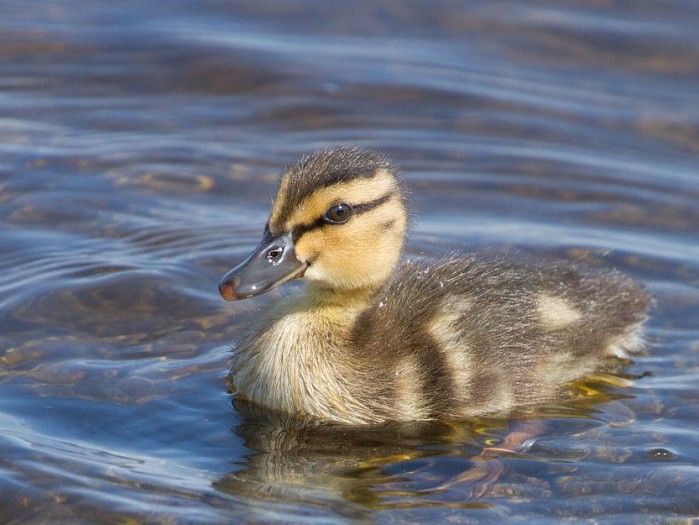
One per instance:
(139,145)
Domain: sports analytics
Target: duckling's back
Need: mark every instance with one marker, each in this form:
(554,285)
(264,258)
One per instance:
(470,336)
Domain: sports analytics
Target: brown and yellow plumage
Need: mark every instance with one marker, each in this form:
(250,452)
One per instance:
(371,340)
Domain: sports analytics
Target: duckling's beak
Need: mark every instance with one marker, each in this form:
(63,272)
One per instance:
(272,263)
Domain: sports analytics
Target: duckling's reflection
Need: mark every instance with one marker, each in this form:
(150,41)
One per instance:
(353,470)
(338,467)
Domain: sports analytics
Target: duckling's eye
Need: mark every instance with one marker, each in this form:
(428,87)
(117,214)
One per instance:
(338,214)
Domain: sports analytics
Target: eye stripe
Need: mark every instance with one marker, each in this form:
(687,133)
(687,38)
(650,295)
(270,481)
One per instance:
(302,229)
(323,170)
(361,208)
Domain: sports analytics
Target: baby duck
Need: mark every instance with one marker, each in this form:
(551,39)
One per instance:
(372,340)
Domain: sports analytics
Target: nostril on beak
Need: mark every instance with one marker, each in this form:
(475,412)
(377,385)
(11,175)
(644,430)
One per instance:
(227,290)
(274,253)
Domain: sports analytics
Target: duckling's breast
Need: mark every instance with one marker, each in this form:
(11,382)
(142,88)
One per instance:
(301,362)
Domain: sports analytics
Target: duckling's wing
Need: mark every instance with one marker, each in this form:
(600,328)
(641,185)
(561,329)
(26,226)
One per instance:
(481,335)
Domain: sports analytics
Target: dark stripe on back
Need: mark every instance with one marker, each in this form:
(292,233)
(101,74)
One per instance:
(324,169)
(391,339)
(300,230)
(437,385)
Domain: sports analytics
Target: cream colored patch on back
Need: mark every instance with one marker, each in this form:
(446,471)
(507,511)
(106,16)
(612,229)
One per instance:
(410,402)
(446,331)
(560,368)
(556,312)
(629,342)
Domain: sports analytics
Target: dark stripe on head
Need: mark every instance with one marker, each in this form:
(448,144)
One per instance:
(327,168)
(361,208)
(388,225)
(301,229)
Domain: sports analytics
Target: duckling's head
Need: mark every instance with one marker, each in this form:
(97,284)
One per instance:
(338,219)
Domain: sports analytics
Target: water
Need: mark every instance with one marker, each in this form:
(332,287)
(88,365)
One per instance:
(138,151)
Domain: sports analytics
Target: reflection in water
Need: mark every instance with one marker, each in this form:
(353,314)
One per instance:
(343,469)
(354,471)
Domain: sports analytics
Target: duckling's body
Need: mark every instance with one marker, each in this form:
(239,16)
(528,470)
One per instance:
(370,341)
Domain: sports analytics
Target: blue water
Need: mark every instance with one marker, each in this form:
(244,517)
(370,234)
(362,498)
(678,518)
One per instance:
(139,147)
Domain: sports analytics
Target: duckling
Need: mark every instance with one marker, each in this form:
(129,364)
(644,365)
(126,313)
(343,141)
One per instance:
(371,339)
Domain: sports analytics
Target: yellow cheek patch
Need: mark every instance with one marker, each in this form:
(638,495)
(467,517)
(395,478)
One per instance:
(355,254)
